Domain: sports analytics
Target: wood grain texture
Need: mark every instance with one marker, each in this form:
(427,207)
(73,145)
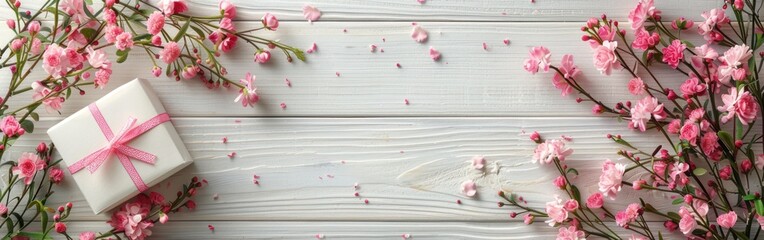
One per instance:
(441,10)
(468,81)
(182,230)
(408,168)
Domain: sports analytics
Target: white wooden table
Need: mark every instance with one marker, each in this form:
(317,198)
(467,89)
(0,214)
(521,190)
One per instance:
(409,160)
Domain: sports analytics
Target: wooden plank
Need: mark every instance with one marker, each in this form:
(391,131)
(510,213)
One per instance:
(441,10)
(182,230)
(408,168)
(468,81)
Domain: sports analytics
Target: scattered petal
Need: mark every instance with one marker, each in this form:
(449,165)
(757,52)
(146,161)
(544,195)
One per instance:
(310,13)
(485,46)
(458,201)
(283,105)
(469,188)
(343,161)
(356,194)
(344,30)
(566,138)
(225,139)
(288,83)
(232,154)
(373,48)
(406,235)
(312,48)
(337,73)
(366,201)
(421,1)
(382,50)
(419,34)
(257,182)
(212,228)
(329,176)
(406,101)
(506,41)
(478,162)
(215,196)
(355,186)
(398,65)
(434,54)
(384,40)
(319,236)
(256,176)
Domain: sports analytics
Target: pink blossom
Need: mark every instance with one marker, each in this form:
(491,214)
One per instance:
(535,137)
(156,71)
(689,132)
(17,44)
(725,173)
(610,180)
(418,34)
(570,233)
(170,7)
(549,150)
(571,205)
(75,9)
(759,219)
(311,13)
(163,218)
(671,226)
(55,62)
(60,227)
(33,27)
(248,94)
(11,23)
(270,21)
(102,77)
(312,48)
(228,43)
(189,72)
(597,109)
(528,219)
(11,127)
(52,103)
(110,16)
(478,162)
(87,236)
(97,58)
(111,32)
(682,24)
(644,40)
(741,104)
(606,33)
(556,211)
(735,63)
(604,57)
(27,167)
(760,161)
(229,10)
(434,54)
(559,182)
(692,87)
(262,56)
(170,53)
(595,201)
(469,188)
(36,47)
(156,40)
(746,166)
(56,175)
(643,111)
(155,23)
(710,145)
(678,170)
(124,41)
(727,220)
(636,86)
(569,70)
(687,224)
(674,126)
(712,19)
(538,56)
(623,218)
(640,13)
(739,4)
(3,209)
(674,53)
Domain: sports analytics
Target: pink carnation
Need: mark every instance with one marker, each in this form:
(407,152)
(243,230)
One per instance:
(595,201)
(569,70)
(155,23)
(674,53)
(27,167)
(111,32)
(644,40)
(692,87)
(687,224)
(623,218)
(735,63)
(689,132)
(547,151)
(640,13)
(570,233)
(604,57)
(170,7)
(710,145)
(712,19)
(11,127)
(55,62)
(636,86)
(229,10)
(741,104)
(538,57)
(644,111)
(727,220)
(556,211)
(170,53)
(674,126)
(124,41)
(102,77)
(56,175)
(610,180)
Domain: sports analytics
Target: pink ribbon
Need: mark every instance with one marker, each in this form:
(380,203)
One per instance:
(117,145)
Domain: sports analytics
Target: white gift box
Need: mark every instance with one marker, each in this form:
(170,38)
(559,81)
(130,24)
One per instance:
(110,184)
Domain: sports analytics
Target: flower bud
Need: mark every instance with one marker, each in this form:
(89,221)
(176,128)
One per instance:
(746,166)
(60,227)
(11,23)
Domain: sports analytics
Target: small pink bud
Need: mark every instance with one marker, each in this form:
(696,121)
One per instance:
(11,23)
(536,137)
(688,199)
(42,147)
(60,227)
(746,166)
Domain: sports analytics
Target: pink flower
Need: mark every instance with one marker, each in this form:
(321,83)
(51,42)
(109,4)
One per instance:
(535,137)
(559,182)
(735,63)
(644,111)
(33,27)
(746,166)
(170,53)
(434,54)
(674,53)
(570,233)
(110,16)
(155,23)
(674,126)
(640,13)
(478,162)
(16,44)
(623,218)
(156,40)
(11,127)
(75,9)
(28,165)
(228,43)
(55,62)
(538,56)
(156,198)
(710,145)
(418,34)
(549,150)
(556,211)
(760,161)
(712,19)
(124,41)
(681,24)
(636,86)
(759,219)
(597,109)
(36,47)
(163,218)
(270,21)
(248,95)
(687,224)
(60,227)
(604,57)
(189,72)
(87,236)
(692,87)
(170,7)
(689,132)
(643,40)
(571,205)
(725,173)
(741,104)
(569,70)
(156,71)
(262,56)
(111,32)
(3,209)
(528,219)
(97,58)
(670,225)
(102,77)
(727,220)
(52,103)
(11,23)
(595,201)
(56,175)
(610,180)
(469,188)
(310,13)
(229,10)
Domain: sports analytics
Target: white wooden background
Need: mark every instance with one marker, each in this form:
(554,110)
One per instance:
(409,160)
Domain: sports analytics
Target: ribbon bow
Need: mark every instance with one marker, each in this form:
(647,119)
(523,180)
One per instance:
(117,145)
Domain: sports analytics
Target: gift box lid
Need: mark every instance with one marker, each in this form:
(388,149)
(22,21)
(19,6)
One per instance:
(79,135)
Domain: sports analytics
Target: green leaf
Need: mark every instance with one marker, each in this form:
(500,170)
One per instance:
(299,54)
(677,201)
(52,9)
(19,219)
(576,193)
(122,55)
(87,11)
(674,216)
(726,138)
(34,235)
(688,43)
(35,116)
(89,33)
(144,36)
(623,142)
(182,31)
(27,125)
(759,207)
(43,214)
(198,32)
(572,170)
(749,197)
(660,235)
(699,171)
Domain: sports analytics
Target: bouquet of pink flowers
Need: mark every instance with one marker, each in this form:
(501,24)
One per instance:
(713,167)
(76,43)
